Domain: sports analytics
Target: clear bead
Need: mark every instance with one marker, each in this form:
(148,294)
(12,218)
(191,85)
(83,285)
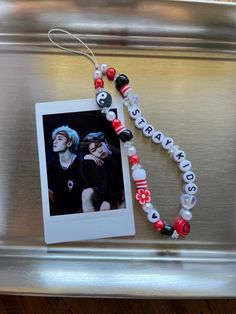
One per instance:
(127,102)
(131,151)
(188,201)
(136,166)
(175,235)
(116,75)
(105,110)
(147,207)
(173,149)
(99,90)
(103,68)
(128,144)
(185,214)
(97,74)
(110,116)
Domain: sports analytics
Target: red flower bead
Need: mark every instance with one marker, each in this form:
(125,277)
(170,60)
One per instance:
(111,72)
(159,225)
(182,226)
(134,159)
(98,83)
(143,196)
(116,123)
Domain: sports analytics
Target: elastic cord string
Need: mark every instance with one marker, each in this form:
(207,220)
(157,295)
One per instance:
(90,56)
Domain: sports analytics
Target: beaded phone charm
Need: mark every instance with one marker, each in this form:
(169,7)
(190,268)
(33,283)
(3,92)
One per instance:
(181,226)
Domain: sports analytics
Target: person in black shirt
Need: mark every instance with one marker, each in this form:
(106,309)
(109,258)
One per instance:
(66,181)
(103,169)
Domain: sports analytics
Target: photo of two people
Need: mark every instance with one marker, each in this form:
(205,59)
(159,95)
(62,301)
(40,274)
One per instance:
(84,168)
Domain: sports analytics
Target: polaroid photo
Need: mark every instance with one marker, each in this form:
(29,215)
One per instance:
(85,182)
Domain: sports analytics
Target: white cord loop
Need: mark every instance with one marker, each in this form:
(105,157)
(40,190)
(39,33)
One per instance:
(90,56)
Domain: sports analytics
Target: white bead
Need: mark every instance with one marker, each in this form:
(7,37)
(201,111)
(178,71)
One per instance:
(134,113)
(148,130)
(179,155)
(167,143)
(110,116)
(185,214)
(191,188)
(188,201)
(131,151)
(147,207)
(103,68)
(153,215)
(189,177)
(185,165)
(139,174)
(157,137)
(140,122)
(97,74)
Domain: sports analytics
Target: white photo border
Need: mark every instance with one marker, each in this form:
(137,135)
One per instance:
(91,225)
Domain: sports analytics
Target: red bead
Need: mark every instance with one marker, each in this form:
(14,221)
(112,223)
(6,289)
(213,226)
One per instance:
(116,123)
(134,159)
(111,72)
(182,226)
(159,225)
(98,83)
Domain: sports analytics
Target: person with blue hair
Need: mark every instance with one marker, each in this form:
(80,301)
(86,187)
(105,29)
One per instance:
(66,181)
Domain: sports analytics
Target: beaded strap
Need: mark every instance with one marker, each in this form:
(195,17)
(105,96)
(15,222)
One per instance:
(181,226)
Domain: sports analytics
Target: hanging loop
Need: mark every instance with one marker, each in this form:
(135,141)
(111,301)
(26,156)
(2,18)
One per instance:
(89,55)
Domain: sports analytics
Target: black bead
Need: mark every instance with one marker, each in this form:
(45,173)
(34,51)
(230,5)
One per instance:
(125,135)
(121,80)
(103,99)
(167,230)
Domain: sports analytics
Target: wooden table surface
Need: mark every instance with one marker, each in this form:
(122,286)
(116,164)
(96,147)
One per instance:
(46,305)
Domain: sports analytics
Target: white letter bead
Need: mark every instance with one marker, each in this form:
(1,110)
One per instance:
(153,215)
(110,116)
(179,155)
(140,122)
(185,214)
(185,165)
(148,130)
(167,143)
(147,207)
(191,188)
(134,113)
(157,137)
(189,177)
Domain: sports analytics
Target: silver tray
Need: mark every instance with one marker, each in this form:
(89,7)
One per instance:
(180,57)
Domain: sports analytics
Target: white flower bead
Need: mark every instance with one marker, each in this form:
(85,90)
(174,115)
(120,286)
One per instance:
(110,116)
(185,165)
(189,177)
(153,215)
(185,214)
(157,137)
(148,130)
(167,143)
(103,68)
(131,151)
(147,207)
(179,155)
(140,122)
(97,74)
(191,188)
(134,112)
